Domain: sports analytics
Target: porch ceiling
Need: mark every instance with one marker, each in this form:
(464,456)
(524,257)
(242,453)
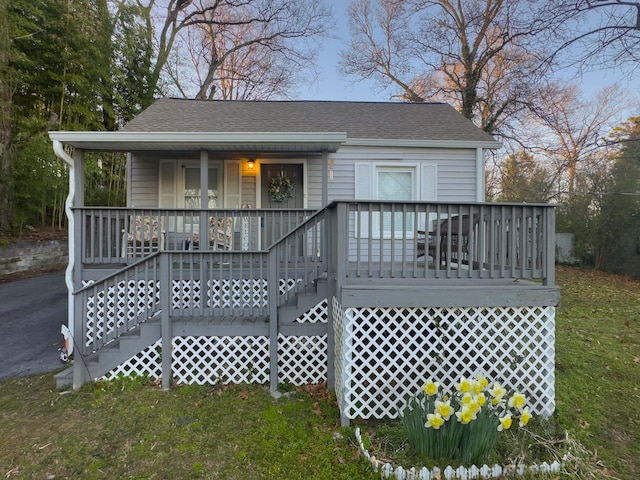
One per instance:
(189,141)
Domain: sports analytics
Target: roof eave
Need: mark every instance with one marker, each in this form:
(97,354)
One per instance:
(379,142)
(132,141)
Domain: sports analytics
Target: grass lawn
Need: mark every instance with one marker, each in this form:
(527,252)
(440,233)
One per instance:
(125,429)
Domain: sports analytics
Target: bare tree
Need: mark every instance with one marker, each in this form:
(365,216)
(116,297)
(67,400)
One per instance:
(572,130)
(232,63)
(599,32)
(483,55)
(282,26)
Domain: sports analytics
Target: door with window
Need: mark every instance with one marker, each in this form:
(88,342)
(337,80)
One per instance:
(274,181)
(192,199)
(395,184)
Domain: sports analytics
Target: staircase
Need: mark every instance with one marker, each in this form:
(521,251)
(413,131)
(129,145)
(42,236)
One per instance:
(300,316)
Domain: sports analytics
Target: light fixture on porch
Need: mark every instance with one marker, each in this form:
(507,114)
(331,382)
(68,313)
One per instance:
(250,164)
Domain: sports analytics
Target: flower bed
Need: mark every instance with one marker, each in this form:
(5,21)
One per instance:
(387,470)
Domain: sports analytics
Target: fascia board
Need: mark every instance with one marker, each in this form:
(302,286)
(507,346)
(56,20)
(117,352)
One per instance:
(86,139)
(377,142)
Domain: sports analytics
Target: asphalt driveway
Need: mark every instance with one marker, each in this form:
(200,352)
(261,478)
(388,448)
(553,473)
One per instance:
(31,313)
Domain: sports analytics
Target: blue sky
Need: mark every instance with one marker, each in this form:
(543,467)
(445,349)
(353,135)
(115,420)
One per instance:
(332,85)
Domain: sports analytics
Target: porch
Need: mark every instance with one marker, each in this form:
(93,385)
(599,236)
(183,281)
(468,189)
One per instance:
(352,294)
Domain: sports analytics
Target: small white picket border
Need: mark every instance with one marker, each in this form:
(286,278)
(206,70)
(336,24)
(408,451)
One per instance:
(449,473)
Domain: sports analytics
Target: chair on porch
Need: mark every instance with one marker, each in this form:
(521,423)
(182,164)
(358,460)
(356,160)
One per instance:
(459,241)
(220,233)
(142,237)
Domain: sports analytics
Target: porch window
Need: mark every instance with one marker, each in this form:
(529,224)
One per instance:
(396,184)
(192,194)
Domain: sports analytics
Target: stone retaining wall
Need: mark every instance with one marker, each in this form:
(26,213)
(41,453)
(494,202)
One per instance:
(23,256)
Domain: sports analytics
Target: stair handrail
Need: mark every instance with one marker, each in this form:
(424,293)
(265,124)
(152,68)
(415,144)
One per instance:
(102,319)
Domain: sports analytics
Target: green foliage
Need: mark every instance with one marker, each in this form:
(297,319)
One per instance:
(41,185)
(620,215)
(523,180)
(445,428)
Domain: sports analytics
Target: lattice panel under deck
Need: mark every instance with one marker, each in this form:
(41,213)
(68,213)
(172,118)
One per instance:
(119,306)
(341,345)
(317,314)
(302,360)
(148,362)
(208,360)
(225,293)
(385,355)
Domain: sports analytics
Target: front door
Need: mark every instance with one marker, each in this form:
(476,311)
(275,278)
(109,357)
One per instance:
(273,189)
(271,171)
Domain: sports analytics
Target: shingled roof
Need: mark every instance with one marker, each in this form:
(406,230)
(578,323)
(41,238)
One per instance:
(359,120)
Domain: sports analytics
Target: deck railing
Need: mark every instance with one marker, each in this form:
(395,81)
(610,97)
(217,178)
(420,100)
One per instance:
(124,235)
(348,241)
(377,240)
(384,240)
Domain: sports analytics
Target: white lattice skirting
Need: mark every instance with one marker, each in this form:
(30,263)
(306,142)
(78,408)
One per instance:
(383,355)
(209,360)
(116,306)
(238,359)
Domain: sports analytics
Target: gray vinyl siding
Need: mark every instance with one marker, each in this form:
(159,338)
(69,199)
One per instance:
(456,174)
(456,169)
(143,184)
(314,183)
(248,188)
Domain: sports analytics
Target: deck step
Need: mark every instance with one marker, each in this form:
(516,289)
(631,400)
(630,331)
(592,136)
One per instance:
(64,378)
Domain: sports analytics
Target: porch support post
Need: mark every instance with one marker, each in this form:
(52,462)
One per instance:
(325,178)
(549,276)
(272,298)
(340,271)
(330,230)
(480,180)
(165,320)
(204,201)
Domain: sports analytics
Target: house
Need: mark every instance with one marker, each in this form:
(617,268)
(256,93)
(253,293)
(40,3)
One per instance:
(344,242)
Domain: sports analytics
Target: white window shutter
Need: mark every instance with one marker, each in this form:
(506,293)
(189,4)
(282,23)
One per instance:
(363,181)
(363,191)
(167,184)
(429,182)
(232,184)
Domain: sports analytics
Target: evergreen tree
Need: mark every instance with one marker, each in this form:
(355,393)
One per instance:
(621,207)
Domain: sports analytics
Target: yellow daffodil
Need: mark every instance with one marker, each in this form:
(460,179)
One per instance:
(481,399)
(525,416)
(518,401)
(434,420)
(465,415)
(466,399)
(483,381)
(430,388)
(476,387)
(505,422)
(464,386)
(474,408)
(497,391)
(444,409)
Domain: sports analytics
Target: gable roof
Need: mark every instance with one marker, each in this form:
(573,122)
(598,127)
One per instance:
(284,126)
(359,120)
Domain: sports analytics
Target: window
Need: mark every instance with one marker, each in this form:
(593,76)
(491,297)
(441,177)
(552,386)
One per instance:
(395,184)
(192,187)
(397,181)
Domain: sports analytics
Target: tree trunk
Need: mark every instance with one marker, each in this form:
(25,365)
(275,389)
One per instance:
(6,132)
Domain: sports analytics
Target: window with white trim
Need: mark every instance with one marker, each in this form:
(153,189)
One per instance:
(395,184)
(397,181)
